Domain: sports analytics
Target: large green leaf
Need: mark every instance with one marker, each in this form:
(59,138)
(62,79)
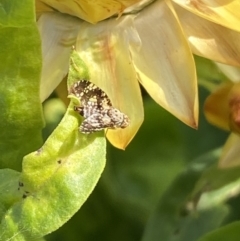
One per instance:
(219,183)
(229,232)
(176,217)
(56,179)
(8,189)
(20,68)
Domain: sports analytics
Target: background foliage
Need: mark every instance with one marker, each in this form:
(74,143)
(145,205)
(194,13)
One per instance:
(165,186)
(161,165)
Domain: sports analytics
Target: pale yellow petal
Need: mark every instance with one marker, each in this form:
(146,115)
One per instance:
(91,11)
(58,33)
(105,50)
(230,156)
(165,64)
(223,12)
(210,40)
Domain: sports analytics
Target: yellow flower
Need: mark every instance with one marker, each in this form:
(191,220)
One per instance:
(222,109)
(90,11)
(152,45)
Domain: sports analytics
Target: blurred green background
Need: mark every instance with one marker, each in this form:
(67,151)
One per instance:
(152,177)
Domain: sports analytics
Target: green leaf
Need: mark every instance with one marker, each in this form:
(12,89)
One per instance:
(16,13)
(78,69)
(56,180)
(8,189)
(176,217)
(229,232)
(20,69)
(217,185)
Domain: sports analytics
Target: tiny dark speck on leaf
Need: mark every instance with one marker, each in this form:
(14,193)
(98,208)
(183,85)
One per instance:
(24,195)
(59,161)
(20,184)
(38,152)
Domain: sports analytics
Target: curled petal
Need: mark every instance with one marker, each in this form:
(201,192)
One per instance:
(234,106)
(58,33)
(225,13)
(210,40)
(231,152)
(222,108)
(164,62)
(105,50)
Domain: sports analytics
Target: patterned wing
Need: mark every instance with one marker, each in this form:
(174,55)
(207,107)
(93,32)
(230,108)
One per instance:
(95,122)
(96,108)
(90,95)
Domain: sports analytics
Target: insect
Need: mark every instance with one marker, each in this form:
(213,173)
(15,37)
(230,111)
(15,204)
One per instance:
(96,108)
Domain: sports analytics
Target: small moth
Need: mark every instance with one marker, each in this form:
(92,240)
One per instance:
(96,108)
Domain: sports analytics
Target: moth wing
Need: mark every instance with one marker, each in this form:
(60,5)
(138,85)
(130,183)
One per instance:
(95,122)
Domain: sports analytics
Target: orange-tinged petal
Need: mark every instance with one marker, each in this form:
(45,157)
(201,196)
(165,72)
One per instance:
(234,106)
(41,7)
(164,62)
(225,13)
(210,40)
(58,33)
(105,49)
(90,11)
(231,152)
(216,107)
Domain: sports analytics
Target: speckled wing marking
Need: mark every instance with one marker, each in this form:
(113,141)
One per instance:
(96,108)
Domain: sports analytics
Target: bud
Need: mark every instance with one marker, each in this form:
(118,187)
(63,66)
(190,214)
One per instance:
(234,108)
